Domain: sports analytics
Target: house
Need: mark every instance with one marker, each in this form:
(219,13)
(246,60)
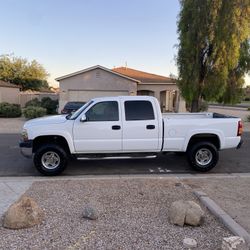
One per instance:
(9,92)
(99,81)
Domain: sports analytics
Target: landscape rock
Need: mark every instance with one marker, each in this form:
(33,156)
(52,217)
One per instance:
(23,214)
(194,214)
(234,243)
(90,213)
(178,212)
(186,212)
(189,243)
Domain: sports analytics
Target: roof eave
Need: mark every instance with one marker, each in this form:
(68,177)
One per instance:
(92,68)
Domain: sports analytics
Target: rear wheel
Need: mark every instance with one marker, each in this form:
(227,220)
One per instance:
(50,159)
(203,156)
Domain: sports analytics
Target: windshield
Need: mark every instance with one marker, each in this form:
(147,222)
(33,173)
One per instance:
(79,111)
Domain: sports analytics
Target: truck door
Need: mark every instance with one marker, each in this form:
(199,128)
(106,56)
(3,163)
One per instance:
(140,126)
(101,131)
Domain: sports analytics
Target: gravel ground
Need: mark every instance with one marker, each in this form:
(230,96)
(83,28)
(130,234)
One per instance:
(232,194)
(133,214)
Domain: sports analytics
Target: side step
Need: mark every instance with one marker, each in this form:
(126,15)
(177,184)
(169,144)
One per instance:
(114,156)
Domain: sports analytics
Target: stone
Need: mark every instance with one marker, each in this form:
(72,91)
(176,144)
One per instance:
(189,243)
(234,243)
(194,214)
(178,213)
(90,213)
(186,212)
(23,213)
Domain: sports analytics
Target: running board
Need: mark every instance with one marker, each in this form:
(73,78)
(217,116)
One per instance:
(114,156)
(117,157)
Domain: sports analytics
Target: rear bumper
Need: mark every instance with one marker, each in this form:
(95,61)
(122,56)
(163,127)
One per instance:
(26,148)
(240,144)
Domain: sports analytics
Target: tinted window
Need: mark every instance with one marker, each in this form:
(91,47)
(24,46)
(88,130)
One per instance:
(139,110)
(103,111)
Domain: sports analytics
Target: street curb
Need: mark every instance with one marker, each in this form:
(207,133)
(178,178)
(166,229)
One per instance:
(224,217)
(176,176)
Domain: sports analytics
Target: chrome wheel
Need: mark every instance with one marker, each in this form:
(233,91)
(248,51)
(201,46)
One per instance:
(50,160)
(203,156)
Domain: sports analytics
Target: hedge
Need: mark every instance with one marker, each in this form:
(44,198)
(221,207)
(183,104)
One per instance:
(10,110)
(33,112)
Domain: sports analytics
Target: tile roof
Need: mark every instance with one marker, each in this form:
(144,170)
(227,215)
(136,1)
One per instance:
(8,85)
(143,77)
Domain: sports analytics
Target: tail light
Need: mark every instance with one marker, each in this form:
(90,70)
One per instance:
(240,128)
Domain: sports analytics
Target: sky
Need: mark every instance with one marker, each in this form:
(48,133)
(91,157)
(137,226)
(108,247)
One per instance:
(70,35)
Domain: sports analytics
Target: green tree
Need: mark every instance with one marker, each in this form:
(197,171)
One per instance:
(235,82)
(210,35)
(19,71)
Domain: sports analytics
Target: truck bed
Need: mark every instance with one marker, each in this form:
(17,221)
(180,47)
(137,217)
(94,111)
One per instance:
(205,115)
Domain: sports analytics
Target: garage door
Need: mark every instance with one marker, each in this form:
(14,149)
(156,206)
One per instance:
(84,96)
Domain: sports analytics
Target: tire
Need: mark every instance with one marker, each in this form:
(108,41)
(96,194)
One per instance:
(50,159)
(203,156)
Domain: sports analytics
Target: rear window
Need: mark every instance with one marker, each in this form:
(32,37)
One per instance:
(139,110)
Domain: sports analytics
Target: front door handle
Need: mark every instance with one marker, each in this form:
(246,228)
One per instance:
(116,127)
(150,126)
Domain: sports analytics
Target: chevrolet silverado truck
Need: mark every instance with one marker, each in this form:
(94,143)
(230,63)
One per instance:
(127,126)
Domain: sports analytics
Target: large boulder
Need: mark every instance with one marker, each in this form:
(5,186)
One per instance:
(194,214)
(22,214)
(178,212)
(186,212)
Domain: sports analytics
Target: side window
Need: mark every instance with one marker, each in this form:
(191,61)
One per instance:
(139,110)
(103,111)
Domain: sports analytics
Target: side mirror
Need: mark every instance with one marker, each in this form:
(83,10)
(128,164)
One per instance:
(83,118)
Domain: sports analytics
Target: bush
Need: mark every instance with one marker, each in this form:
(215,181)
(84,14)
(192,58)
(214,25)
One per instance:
(10,110)
(33,112)
(248,108)
(203,106)
(50,105)
(34,102)
(247,99)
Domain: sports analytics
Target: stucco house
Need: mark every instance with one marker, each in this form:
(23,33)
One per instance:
(99,81)
(9,92)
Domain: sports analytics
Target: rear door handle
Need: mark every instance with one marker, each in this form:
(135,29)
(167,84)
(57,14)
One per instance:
(150,127)
(116,127)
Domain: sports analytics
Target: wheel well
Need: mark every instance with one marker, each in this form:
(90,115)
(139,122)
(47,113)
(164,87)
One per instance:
(212,138)
(51,139)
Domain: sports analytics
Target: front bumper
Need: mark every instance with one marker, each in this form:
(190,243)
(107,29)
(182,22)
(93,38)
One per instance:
(240,144)
(26,148)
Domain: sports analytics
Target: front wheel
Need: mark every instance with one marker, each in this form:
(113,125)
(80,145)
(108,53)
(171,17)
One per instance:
(50,159)
(203,156)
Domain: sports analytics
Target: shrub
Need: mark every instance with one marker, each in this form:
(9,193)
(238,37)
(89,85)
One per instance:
(248,108)
(33,112)
(50,105)
(10,110)
(203,106)
(247,99)
(34,102)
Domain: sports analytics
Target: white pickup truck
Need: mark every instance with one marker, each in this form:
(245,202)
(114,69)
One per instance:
(128,126)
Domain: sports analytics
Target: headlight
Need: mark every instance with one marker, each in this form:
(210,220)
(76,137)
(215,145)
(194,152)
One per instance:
(24,135)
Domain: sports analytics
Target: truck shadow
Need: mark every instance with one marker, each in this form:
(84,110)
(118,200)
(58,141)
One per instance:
(165,164)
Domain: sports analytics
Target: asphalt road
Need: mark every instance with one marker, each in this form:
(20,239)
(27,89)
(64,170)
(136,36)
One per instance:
(12,163)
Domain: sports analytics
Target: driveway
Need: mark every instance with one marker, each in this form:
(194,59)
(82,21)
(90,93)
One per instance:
(14,164)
